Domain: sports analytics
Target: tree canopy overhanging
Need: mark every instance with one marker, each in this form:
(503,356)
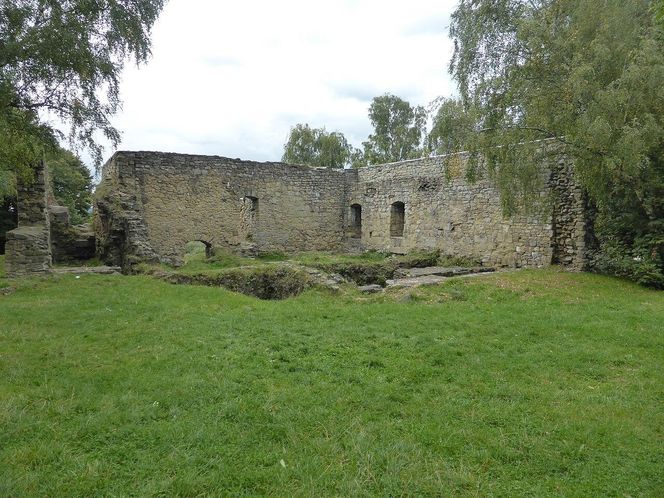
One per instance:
(62,59)
(588,76)
(398,130)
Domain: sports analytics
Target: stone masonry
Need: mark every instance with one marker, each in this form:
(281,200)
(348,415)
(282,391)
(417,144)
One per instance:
(44,234)
(150,204)
(28,247)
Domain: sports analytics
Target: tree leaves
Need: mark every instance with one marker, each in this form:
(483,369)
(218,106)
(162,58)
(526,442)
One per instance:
(398,130)
(317,147)
(62,58)
(587,75)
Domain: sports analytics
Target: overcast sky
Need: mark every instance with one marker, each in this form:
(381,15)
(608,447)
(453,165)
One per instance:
(231,78)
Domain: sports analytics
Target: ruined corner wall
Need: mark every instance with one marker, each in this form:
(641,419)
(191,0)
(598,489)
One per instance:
(150,204)
(28,247)
(572,219)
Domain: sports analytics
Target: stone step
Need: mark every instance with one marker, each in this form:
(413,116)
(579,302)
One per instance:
(94,270)
(415,281)
(442,271)
(370,289)
(412,277)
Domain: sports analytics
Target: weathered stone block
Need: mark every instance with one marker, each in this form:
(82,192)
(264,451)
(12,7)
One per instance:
(28,251)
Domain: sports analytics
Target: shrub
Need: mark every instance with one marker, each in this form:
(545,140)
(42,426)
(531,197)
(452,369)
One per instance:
(640,269)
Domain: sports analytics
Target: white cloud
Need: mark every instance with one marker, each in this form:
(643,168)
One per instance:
(231,78)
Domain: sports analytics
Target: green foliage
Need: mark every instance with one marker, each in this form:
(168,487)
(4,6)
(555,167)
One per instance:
(23,141)
(273,256)
(535,383)
(63,59)
(658,7)
(312,258)
(453,127)
(618,260)
(462,261)
(584,79)
(361,273)
(398,131)
(72,184)
(399,134)
(316,147)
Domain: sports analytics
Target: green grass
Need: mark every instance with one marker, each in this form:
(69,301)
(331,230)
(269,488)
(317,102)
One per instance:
(534,383)
(197,262)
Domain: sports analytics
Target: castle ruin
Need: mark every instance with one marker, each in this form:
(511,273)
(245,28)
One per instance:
(150,204)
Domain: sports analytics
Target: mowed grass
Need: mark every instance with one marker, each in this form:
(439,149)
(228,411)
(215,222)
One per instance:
(533,383)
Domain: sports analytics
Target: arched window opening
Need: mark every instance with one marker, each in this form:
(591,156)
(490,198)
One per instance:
(355,225)
(197,250)
(397,219)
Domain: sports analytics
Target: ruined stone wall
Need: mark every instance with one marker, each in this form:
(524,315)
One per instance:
(444,211)
(154,203)
(572,219)
(150,205)
(28,247)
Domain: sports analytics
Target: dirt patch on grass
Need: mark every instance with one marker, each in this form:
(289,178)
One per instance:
(263,282)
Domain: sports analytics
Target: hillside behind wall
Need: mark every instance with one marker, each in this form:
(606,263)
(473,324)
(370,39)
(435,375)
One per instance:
(151,204)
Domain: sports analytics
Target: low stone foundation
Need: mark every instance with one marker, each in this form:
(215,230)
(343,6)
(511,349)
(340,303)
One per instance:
(28,251)
(44,235)
(28,247)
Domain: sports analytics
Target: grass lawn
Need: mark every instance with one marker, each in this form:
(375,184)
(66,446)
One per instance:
(533,383)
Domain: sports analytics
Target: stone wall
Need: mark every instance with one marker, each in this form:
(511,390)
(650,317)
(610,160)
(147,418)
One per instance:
(28,247)
(572,219)
(44,235)
(151,204)
(444,211)
(69,243)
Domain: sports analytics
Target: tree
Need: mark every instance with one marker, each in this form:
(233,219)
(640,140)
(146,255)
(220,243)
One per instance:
(72,184)
(316,147)
(63,59)
(452,128)
(398,130)
(587,79)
